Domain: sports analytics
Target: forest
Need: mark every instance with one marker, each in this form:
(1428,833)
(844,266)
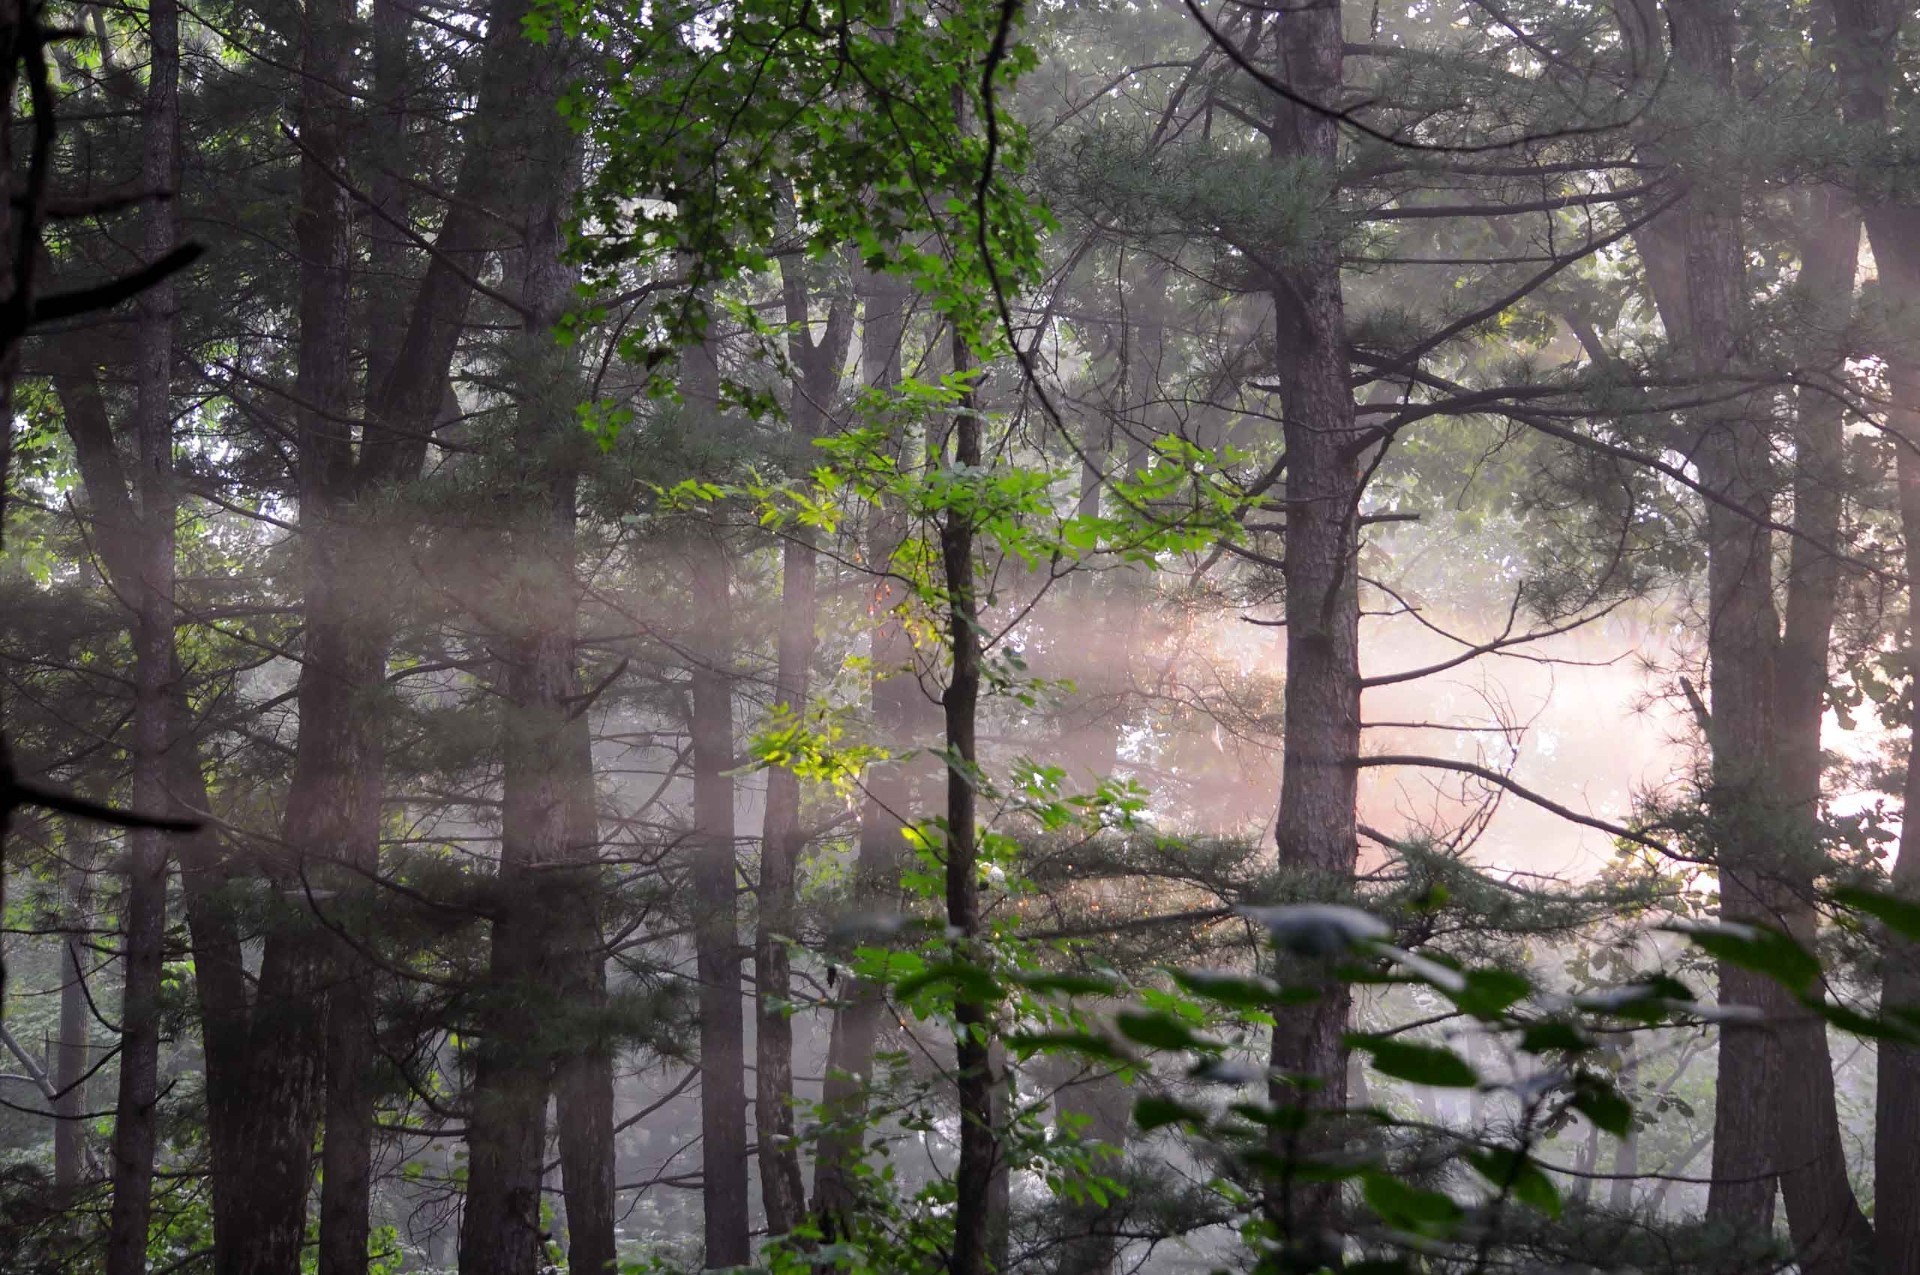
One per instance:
(879,637)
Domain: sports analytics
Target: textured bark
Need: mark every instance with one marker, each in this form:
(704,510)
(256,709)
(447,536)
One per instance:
(1315,832)
(973,1229)
(1734,458)
(715,879)
(1866,35)
(536,939)
(583,1075)
(1830,1233)
(155,673)
(887,788)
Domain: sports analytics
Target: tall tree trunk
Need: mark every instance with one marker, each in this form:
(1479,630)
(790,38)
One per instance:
(973,1020)
(1896,1124)
(155,673)
(1866,36)
(583,1075)
(1734,457)
(539,937)
(715,876)
(883,811)
(1828,1229)
(1316,833)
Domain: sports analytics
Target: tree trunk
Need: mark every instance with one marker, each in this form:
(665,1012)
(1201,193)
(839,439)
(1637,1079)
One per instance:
(583,1076)
(973,1019)
(72,1053)
(1734,458)
(715,876)
(1316,833)
(144,914)
(1866,35)
(1827,1226)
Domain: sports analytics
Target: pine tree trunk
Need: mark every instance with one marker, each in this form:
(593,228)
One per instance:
(1734,457)
(144,914)
(715,877)
(1316,833)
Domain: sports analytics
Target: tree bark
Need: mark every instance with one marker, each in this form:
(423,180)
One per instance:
(973,1019)
(136,1113)
(1829,1232)
(715,877)
(1316,833)
(539,937)
(1866,35)
(1734,458)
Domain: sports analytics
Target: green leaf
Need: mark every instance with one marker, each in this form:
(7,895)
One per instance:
(1757,948)
(1555,1035)
(1902,916)
(1158,1031)
(1489,992)
(1600,1102)
(1512,1171)
(1153,1112)
(1410,1208)
(968,980)
(1230,989)
(1423,1064)
(1026,1044)
(1069,984)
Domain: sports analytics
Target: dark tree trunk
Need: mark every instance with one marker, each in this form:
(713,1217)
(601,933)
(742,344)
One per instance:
(1866,35)
(1828,1229)
(155,673)
(583,1076)
(1316,832)
(1734,457)
(539,939)
(715,878)
(973,1239)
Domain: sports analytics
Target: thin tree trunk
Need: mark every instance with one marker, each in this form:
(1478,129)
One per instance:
(136,1113)
(72,1053)
(717,955)
(1896,1126)
(583,1076)
(973,1070)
